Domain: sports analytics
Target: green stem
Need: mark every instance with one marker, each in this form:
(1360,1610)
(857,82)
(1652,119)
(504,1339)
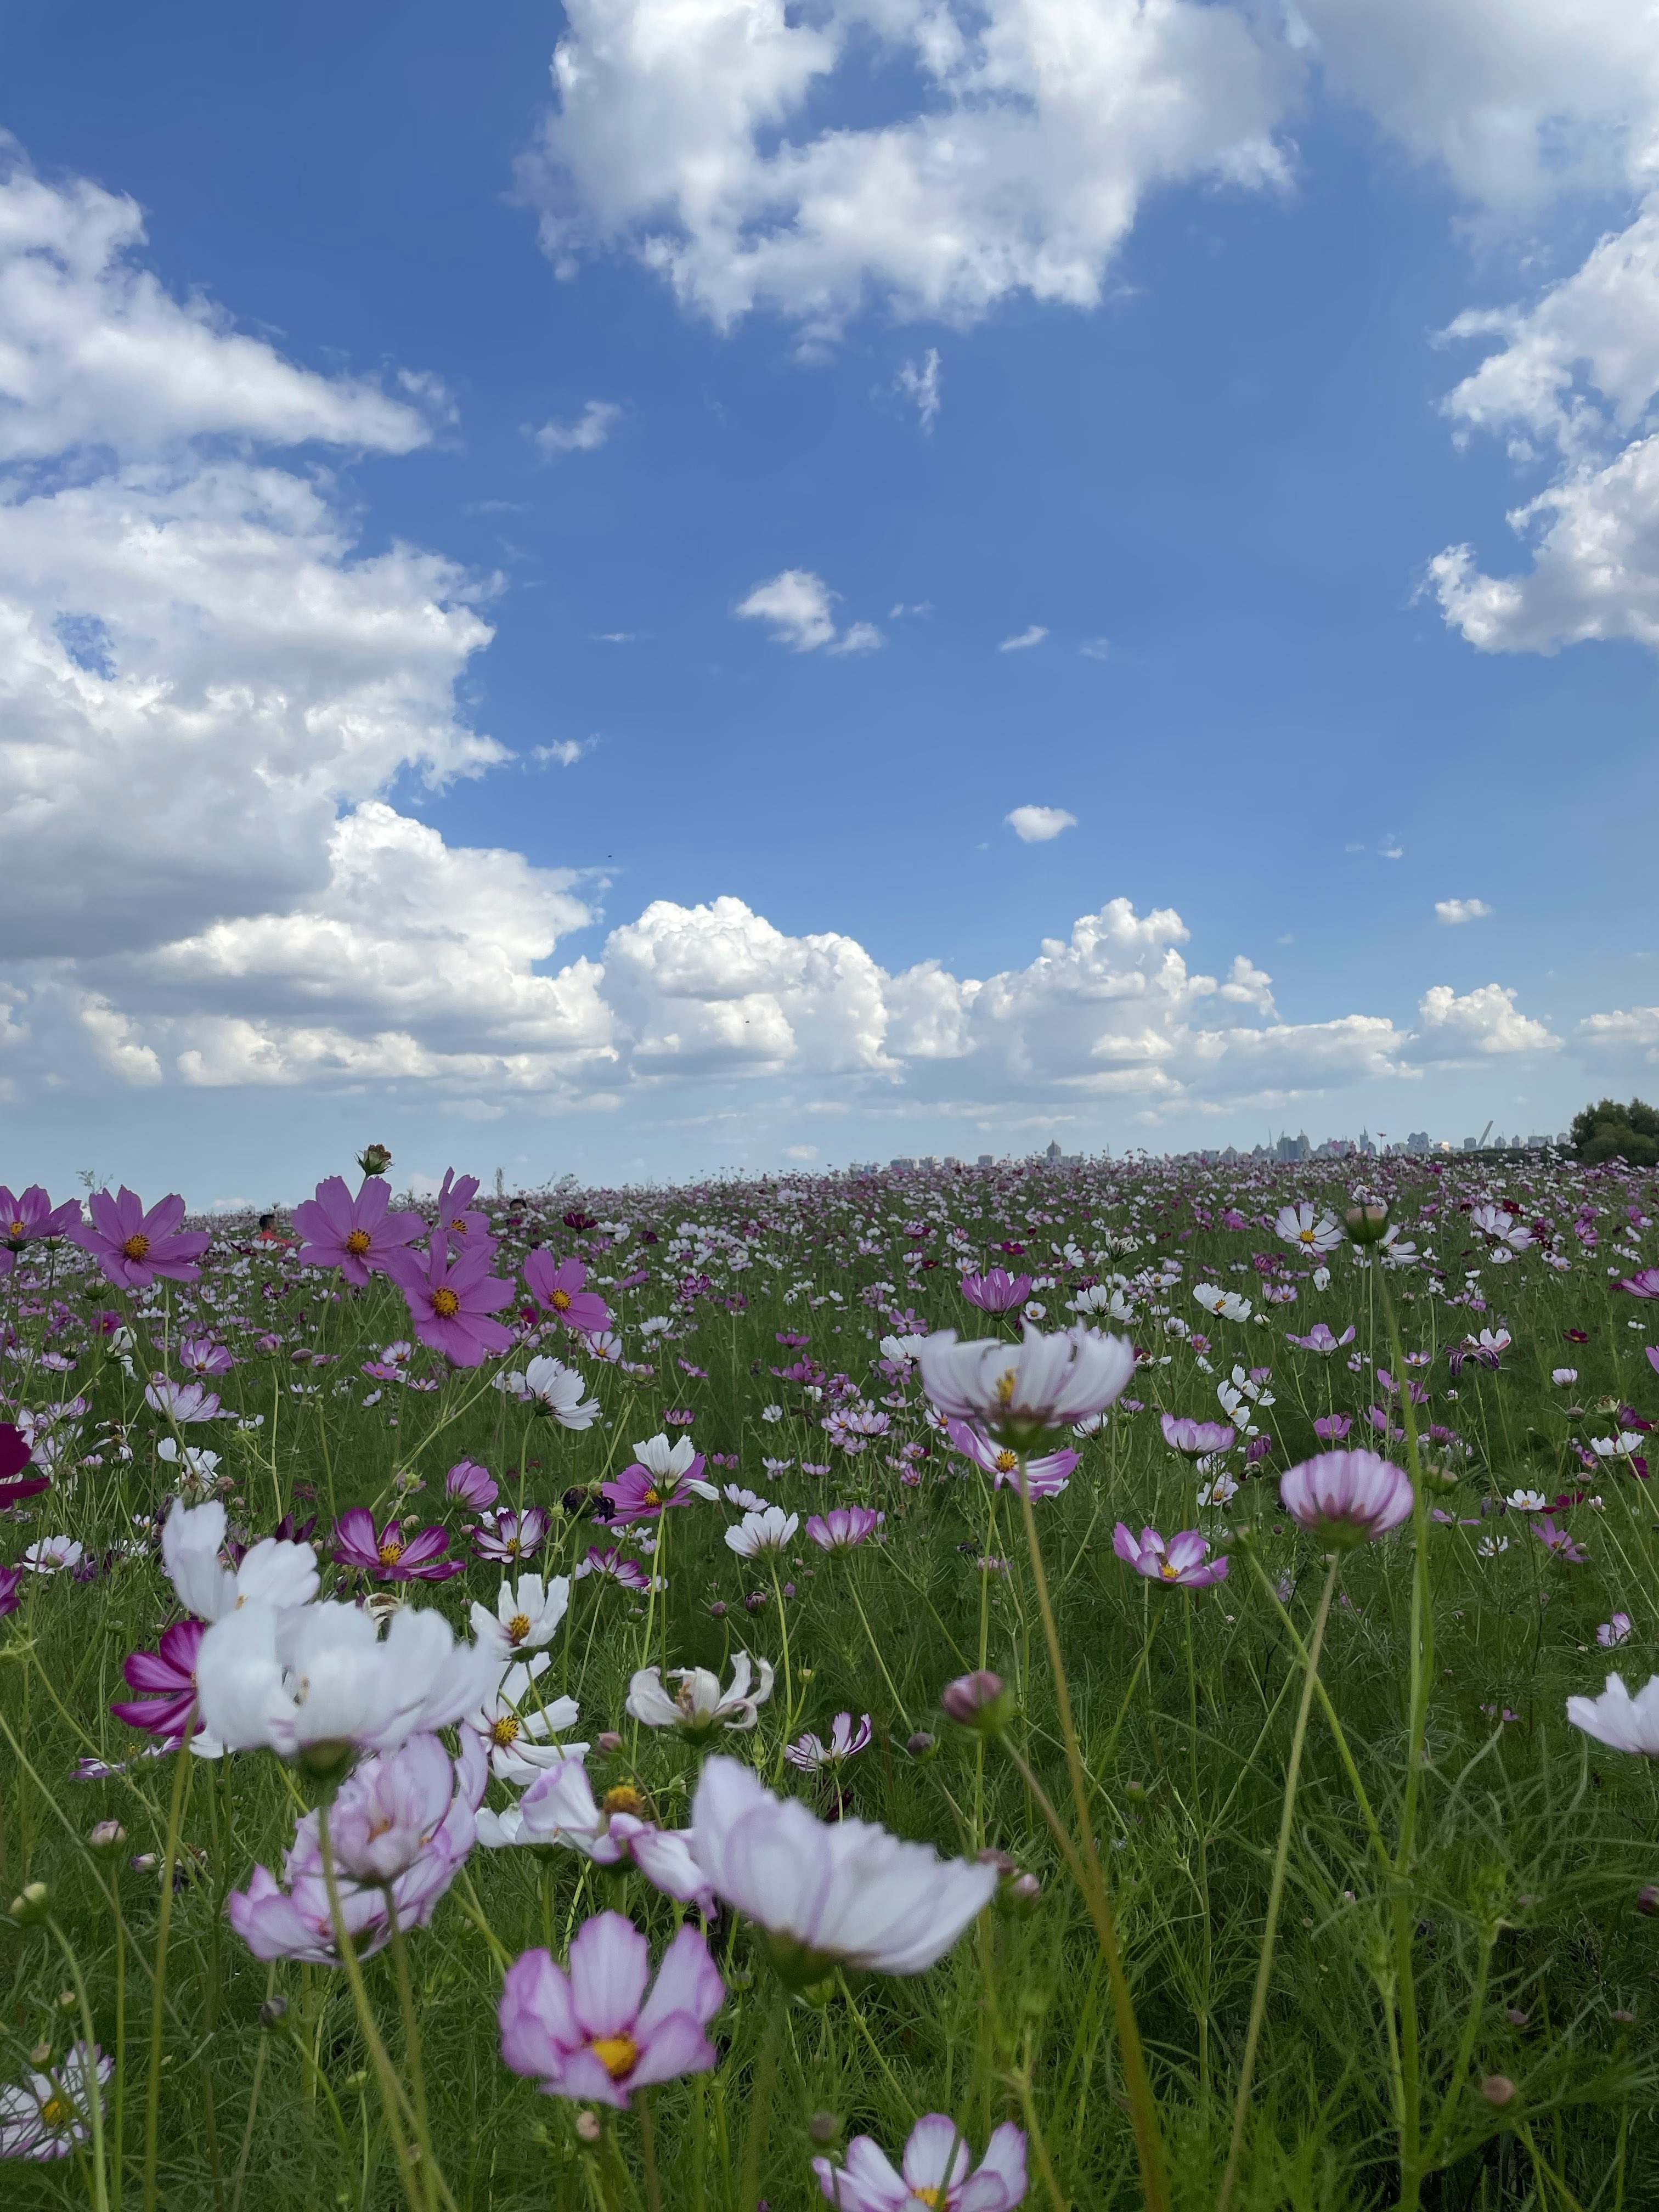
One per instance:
(187,1760)
(89,2070)
(1275,1898)
(760,2108)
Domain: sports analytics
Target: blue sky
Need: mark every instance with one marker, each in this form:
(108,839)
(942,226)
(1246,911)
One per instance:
(293,591)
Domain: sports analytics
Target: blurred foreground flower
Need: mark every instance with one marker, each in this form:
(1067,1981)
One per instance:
(1347,1496)
(1020,1395)
(1616,1718)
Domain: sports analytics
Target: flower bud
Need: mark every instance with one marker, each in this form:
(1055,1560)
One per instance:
(718,1610)
(40,2054)
(107,1836)
(31,1905)
(1367,1224)
(589,2128)
(754,1602)
(920,1744)
(273,2011)
(374,1160)
(1497,2088)
(823,2127)
(65,2000)
(976,1701)
(609,1742)
(1647,1898)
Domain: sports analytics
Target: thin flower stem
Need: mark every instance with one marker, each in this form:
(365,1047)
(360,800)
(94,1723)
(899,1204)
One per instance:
(876,1647)
(760,2106)
(1275,1897)
(88,2071)
(412,2051)
(1143,2104)
(253,2101)
(187,1760)
(648,2151)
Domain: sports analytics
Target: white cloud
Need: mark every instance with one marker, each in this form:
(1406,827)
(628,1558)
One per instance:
(1095,648)
(1632,1031)
(1480,1023)
(921,385)
(798,605)
(1457,909)
(591,429)
(1025,640)
(1036,825)
(1021,142)
(563,752)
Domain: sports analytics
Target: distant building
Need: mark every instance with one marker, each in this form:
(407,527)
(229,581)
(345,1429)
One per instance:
(987,1159)
(1419,1141)
(901,1167)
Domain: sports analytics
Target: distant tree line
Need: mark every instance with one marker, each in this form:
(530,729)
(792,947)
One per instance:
(1609,1131)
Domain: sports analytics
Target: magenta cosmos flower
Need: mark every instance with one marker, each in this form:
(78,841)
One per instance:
(1347,1496)
(996,1290)
(843,1527)
(450,1300)
(391,1557)
(1196,1439)
(1319,1339)
(593,2034)
(27,1219)
(455,1196)
(561,1288)
(1644,1285)
(168,1678)
(15,1453)
(133,1247)
(471,1483)
(1183,1561)
(504,1535)
(937,2170)
(355,1234)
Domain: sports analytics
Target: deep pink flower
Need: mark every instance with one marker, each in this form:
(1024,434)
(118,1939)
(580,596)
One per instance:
(561,1288)
(15,1456)
(1196,1439)
(1046,1474)
(593,2034)
(843,1527)
(202,1356)
(391,1557)
(1184,1560)
(1331,1428)
(996,1290)
(1559,1541)
(355,1234)
(10,1582)
(31,1217)
(169,1676)
(1347,1496)
(455,1195)
(450,1300)
(472,1485)
(133,1247)
(1643,1286)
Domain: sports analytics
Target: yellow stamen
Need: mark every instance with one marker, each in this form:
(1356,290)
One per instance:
(624,1798)
(57,2112)
(560,1300)
(618,2054)
(358,1241)
(1304,1236)
(391,1552)
(517,1628)
(652,1497)
(928,2195)
(136,1247)
(1007,1461)
(1005,1389)
(1168,1572)
(505,1731)
(446,1305)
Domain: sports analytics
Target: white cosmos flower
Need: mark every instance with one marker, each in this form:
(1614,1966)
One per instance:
(666,1461)
(560,1808)
(53,1553)
(1017,1393)
(1625,1445)
(524,1618)
(515,1737)
(318,1682)
(758,1532)
(841,1892)
(1226,1305)
(273,1573)
(1527,1501)
(549,1387)
(698,1706)
(1626,1723)
(1309,1233)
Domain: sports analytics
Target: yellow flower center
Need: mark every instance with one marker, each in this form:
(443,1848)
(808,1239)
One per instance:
(505,1730)
(624,1798)
(446,1305)
(136,1246)
(618,2054)
(1168,1572)
(358,1241)
(1304,1236)
(1006,1462)
(391,1552)
(928,2195)
(57,2112)
(560,1301)
(1005,1389)
(17,1229)
(517,1628)
(652,1497)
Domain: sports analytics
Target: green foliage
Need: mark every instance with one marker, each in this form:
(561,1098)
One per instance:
(1607,1131)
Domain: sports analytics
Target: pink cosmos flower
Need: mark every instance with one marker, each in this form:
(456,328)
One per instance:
(1644,1285)
(1183,1561)
(812,1755)
(1331,1428)
(1319,1339)
(643,1492)
(471,1484)
(560,1289)
(593,2034)
(1196,1439)
(355,1234)
(202,1356)
(504,1535)
(31,1217)
(451,1301)
(843,1527)
(996,1290)
(182,1402)
(11,1580)
(1612,1633)
(169,1678)
(391,1557)
(1347,1496)
(1046,1476)
(133,1247)
(15,1453)
(938,2171)
(613,1567)
(1559,1541)
(461,1227)
(1018,1392)
(560,1808)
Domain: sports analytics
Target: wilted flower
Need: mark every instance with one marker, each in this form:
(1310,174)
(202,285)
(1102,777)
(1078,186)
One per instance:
(938,2172)
(1183,1561)
(1347,1496)
(592,2034)
(845,1892)
(698,1707)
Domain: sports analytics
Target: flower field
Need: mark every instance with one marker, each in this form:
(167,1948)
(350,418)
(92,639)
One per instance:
(1085,1685)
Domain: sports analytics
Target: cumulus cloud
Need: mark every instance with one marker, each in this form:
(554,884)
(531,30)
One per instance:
(1036,825)
(1023,640)
(799,607)
(1476,1026)
(591,429)
(1456,909)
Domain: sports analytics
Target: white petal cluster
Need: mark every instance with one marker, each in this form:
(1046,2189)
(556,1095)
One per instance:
(699,1705)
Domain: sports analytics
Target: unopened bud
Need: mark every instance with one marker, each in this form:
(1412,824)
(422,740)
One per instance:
(609,1742)
(718,1610)
(65,2000)
(823,2127)
(920,1744)
(976,1701)
(588,2127)
(273,2011)
(754,1602)
(40,2054)
(1497,2088)
(1647,1898)
(374,1160)
(107,1836)
(32,1904)
(1624,2017)
(1366,1225)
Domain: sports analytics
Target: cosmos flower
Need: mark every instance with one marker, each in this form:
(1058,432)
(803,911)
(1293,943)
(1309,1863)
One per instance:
(1643,1286)
(1319,1339)
(1047,1474)
(1308,1232)
(560,1808)
(51,1555)
(1196,1439)
(1616,1718)
(699,1706)
(1019,1394)
(1347,1496)
(759,1534)
(996,1290)
(612,1566)
(133,1247)
(451,1301)
(272,1572)
(1611,1634)
(561,1288)
(592,2032)
(471,1484)
(1559,1541)
(507,1537)
(663,1475)
(937,2172)
(829,1894)
(391,1557)
(17,1453)
(515,1733)
(526,1617)
(168,1678)
(1184,1561)
(843,1527)
(550,1388)
(30,1218)
(182,1402)
(357,1235)
(47,2115)
(812,1755)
